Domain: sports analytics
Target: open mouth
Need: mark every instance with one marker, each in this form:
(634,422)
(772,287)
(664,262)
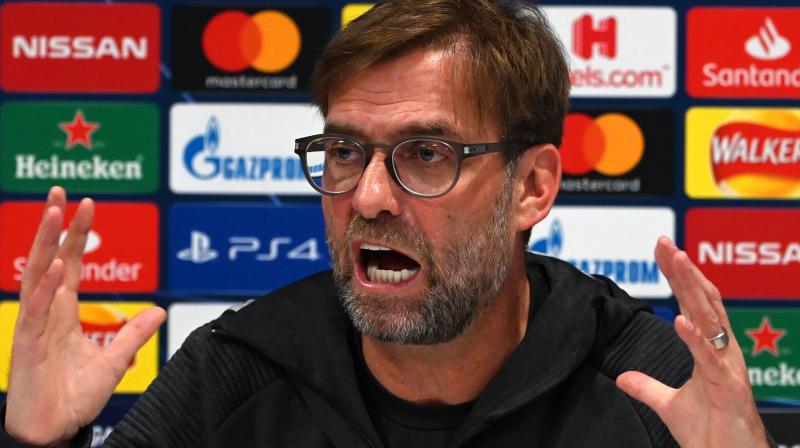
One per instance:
(384,265)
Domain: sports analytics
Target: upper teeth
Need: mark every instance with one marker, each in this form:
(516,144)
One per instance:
(373,247)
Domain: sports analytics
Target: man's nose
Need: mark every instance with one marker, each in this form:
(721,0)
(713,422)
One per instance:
(376,192)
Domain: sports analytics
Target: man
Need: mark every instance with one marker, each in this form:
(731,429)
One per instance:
(435,327)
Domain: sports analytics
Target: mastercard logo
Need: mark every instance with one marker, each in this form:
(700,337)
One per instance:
(268,41)
(611,144)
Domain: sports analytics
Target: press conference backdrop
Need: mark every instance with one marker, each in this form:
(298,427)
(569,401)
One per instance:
(179,119)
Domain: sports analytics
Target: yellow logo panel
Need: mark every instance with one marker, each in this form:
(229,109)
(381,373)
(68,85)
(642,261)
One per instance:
(353,10)
(743,153)
(100,321)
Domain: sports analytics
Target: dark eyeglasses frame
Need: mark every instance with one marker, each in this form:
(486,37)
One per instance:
(463,151)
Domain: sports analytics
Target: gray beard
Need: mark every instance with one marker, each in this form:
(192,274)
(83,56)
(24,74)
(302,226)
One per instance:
(463,282)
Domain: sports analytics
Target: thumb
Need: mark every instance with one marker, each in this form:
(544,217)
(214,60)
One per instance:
(646,389)
(134,335)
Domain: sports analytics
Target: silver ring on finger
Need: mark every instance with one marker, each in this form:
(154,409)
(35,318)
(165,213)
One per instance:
(719,341)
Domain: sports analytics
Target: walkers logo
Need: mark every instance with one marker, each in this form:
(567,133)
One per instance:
(619,153)
(585,236)
(743,52)
(246,49)
(354,10)
(770,342)
(80,47)
(100,322)
(121,252)
(85,147)
(245,249)
(743,153)
(618,51)
(747,252)
(244,149)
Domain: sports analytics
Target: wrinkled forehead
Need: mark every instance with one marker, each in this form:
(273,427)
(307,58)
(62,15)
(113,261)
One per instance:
(425,86)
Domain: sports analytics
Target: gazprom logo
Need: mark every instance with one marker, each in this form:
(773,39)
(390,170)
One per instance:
(627,271)
(202,161)
(551,245)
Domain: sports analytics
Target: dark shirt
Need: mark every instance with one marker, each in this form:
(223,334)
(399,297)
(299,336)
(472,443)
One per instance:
(401,423)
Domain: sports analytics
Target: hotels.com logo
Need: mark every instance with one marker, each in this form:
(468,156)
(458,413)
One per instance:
(747,253)
(121,252)
(618,51)
(745,52)
(751,153)
(92,48)
(586,37)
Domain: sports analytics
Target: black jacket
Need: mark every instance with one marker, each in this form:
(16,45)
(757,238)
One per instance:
(280,372)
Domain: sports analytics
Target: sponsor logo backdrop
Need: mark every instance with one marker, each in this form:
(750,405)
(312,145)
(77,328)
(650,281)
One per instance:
(179,117)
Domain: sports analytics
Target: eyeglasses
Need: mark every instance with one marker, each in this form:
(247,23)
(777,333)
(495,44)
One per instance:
(423,166)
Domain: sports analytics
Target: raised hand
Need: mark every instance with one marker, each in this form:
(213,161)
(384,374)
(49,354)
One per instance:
(715,408)
(60,380)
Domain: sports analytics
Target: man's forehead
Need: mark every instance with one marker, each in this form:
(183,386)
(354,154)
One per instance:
(419,92)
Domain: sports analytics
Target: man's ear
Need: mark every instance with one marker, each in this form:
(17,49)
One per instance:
(537,182)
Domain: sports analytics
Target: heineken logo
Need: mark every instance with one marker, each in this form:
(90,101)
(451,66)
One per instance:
(765,338)
(770,346)
(79,131)
(90,147)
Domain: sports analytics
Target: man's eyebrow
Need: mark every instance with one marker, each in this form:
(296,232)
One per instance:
(338,128)
(433,128)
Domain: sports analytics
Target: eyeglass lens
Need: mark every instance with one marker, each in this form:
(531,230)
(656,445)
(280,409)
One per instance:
(426,167)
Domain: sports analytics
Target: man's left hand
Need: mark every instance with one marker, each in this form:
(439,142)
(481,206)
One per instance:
(715,407)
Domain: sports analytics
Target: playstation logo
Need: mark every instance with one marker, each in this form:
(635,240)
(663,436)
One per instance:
(199,250)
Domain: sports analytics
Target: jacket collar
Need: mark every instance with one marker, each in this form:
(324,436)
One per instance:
(303,329)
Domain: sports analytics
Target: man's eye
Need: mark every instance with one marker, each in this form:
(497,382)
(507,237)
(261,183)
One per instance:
(429,153)
(345,154)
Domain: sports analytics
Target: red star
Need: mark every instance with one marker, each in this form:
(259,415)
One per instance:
(765,338)
(79,131)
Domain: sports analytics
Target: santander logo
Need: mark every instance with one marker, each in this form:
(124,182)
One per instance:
(743,52)
(768,44)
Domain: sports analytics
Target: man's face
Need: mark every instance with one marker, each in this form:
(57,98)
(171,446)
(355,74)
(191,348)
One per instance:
(416,270)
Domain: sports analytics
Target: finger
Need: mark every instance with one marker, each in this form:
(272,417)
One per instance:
(664,252)
(648,390)
(712,294)
(133,336)
(71,250)
(706,358)
(32,322)
(694,297)
(45,243)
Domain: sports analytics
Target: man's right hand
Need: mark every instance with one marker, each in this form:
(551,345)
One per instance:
(60,380)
